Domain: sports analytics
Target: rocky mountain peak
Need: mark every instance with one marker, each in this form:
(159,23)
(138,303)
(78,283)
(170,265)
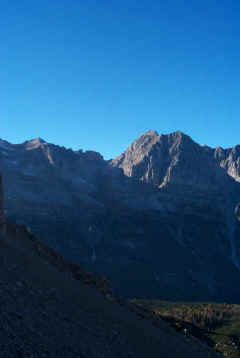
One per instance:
(147,136)
(179,136)
(34,143)
(173,158)
(229,159)
(144,143)
(150,133)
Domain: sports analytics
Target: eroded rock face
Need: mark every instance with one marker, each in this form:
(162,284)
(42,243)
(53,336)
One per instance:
(174,159)
(229,159)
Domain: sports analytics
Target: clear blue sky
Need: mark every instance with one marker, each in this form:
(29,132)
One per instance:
(97,74)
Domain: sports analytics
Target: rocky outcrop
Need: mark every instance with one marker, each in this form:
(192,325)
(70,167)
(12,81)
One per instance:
(174,159)
(229,159)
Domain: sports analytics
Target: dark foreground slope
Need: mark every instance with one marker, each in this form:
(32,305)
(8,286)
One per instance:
(46,312)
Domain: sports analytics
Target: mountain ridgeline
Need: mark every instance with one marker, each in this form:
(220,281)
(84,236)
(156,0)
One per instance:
(160,220)
(177,159)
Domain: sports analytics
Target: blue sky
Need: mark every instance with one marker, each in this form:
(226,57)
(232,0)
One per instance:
(97,74)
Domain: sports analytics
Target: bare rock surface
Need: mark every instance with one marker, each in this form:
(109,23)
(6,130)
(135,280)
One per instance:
(176,159)
(229,159)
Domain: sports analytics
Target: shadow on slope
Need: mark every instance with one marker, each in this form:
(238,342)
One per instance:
(48,311)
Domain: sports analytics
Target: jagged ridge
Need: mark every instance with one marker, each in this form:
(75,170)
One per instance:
(169,220)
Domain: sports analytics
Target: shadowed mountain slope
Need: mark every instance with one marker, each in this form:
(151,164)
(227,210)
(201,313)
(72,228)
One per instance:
(48,311)
(161,220)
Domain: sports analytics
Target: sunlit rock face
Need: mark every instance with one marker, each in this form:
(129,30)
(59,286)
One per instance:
(172,159)
(229,159)
(159,220)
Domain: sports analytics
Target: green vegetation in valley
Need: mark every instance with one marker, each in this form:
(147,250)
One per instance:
(216,324)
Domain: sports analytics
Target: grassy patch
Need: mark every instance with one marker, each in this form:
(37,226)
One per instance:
(216,324)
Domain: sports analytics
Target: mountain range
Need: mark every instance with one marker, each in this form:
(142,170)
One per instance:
(160,220)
